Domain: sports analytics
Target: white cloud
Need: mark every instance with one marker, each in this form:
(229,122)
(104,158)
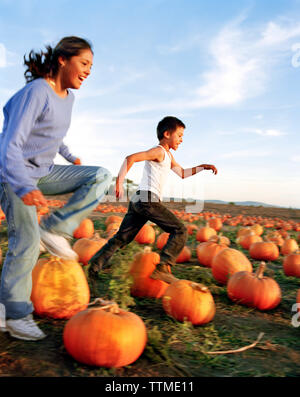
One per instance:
(258,117)
(265,132)
(245,153)
(259,131)
(237,73)
(243,62)
(275,34)
(296,158)
(7,58)
(241,67)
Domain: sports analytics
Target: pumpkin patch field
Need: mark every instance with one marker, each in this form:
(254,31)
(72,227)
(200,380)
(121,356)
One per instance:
(231,313)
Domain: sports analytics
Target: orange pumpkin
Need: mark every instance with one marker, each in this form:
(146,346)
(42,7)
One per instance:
(254,290)
(289,246)
(142,267)
(204,233)
(59,288)
(215,223)
(191,229)
(109,337)
(228,262)
(146,235)
(291,264)
(207,251)
(85,229)
(162,240)
(218,238)
(185,300)
(243,231)
(87,247)
(275,238)
(257,229)
(112,229)
(113,219)
(248,239)
(184,256)
(112,226)
(264,250)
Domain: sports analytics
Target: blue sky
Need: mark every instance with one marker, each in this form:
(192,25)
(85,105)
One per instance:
(231,73)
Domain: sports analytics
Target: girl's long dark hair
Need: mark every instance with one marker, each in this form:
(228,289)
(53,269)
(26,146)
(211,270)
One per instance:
(45,63)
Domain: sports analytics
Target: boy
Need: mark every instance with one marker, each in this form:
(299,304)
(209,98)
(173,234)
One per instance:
(146,203)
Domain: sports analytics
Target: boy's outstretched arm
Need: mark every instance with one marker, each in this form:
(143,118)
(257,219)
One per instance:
(186,172)
(154,154)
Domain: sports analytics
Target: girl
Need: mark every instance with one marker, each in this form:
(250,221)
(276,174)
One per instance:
(36,120)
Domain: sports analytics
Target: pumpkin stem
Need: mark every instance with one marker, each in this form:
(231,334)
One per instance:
(113,308)
(110,305)
(147,249)
(199,287)
(260,271)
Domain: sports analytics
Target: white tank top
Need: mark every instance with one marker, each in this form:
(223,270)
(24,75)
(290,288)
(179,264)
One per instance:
(155,174)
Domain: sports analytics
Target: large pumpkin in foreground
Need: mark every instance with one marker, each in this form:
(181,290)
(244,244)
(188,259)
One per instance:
(187,300)
(254,289)
(227,262)
(105,337)
(59,288)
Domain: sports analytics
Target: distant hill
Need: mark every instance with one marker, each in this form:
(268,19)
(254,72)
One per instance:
(245,203)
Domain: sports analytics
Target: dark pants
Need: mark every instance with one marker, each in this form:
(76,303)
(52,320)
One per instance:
(145,206)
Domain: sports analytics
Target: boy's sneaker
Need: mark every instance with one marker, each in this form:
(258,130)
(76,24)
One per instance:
(57,245)
(162,273)
(24,328)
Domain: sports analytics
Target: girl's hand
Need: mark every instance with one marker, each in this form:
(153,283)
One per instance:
(77,161)
(209,167)
(35,197)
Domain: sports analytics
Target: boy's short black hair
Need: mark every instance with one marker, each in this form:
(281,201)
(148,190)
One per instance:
(168,123)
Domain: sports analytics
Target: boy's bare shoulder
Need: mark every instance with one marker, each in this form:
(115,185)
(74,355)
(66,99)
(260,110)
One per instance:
(158,153)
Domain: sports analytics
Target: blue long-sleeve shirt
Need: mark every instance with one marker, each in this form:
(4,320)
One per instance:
(36,120)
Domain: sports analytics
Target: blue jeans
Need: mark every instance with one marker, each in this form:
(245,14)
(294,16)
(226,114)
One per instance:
(88,184)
